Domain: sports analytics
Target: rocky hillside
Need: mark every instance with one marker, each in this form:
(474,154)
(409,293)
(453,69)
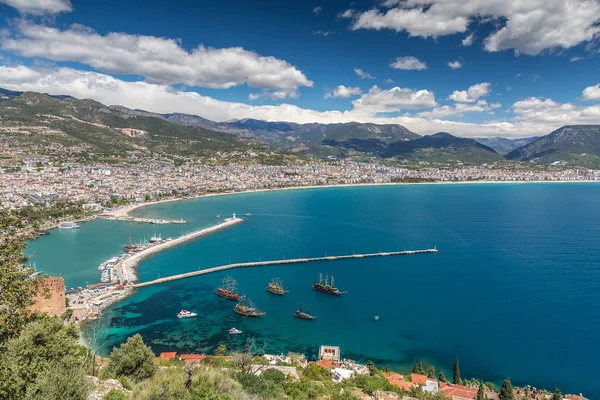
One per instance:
(504,146)
(577,145)
(444,148)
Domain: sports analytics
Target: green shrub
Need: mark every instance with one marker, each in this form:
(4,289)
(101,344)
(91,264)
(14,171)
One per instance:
(132,359)
(115,395)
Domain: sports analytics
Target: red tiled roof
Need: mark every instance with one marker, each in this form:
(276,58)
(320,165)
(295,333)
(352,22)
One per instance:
(398,381)
(169,355)
(184,357)
(325,363)
(574,397)
(453,391)
(418,379)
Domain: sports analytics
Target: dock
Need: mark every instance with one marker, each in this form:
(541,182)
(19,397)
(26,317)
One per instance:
(125,269)
(281,262)
(141,220)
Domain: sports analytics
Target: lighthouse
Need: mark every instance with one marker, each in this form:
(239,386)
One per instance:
(233,215)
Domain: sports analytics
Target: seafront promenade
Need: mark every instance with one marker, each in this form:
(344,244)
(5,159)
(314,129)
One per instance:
(126,267)
(280,262)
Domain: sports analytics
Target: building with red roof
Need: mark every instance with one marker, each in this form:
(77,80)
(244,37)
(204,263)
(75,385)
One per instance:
(458,392)
(191,359)
(168,355)
(398,381)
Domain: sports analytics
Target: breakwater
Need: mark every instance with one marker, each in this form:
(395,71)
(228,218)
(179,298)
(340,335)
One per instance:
(126,267)
(280,262)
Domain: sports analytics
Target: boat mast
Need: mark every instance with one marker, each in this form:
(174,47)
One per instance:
(332,282)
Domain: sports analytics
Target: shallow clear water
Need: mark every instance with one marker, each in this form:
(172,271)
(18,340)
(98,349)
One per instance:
(514,290)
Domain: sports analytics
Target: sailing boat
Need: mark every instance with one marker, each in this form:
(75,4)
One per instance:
(130,245)
(300,313)
(326,286)
(228,288)
(276,286)
(246,307)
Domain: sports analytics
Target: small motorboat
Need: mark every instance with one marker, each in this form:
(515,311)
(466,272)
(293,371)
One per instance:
(234,331)
(376,318)
(247,215)
(218,216)
(186,314)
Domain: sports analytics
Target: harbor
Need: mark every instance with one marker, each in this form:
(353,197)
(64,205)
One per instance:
(281,262)
(140,220)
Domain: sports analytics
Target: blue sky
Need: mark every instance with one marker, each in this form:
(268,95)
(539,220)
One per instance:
(531,66)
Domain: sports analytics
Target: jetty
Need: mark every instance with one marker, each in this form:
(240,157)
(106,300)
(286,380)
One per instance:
(280,262)
(126,267)
(141,220)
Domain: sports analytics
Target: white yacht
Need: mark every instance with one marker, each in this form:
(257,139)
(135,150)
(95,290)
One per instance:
(234,331)
(68,225)
(186,314)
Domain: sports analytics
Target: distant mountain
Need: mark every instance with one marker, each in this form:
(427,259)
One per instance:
(504,146)
(313,138)
(97,130)
(444,148)
(572,144)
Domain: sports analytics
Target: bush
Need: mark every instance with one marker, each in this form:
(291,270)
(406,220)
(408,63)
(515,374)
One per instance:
(132,359)
(125,382)
(274,376)
(115,395)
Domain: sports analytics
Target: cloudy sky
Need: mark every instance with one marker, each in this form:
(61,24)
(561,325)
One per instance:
(510,68)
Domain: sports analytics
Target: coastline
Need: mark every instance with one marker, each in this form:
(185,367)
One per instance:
(124,211)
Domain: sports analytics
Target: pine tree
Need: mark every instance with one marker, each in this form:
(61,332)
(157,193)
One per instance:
(557,395)
(415,369)
(371,367)
(442,377)
(418,368)
(480,392)
(506,392)
(431,372)
(456,378)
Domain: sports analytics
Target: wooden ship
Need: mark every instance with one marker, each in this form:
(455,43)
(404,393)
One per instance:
(228,289)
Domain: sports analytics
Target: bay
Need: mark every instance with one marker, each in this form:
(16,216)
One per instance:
(513,291)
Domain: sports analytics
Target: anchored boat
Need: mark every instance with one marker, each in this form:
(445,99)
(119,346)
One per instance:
(276,286)
(327,286)
(300,313)
(234,331)
(247,308)
(130,245)
(228,288)
(186,314)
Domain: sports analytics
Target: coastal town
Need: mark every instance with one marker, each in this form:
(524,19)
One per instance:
(37,181)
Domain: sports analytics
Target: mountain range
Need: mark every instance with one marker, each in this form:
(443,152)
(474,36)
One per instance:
(117,131)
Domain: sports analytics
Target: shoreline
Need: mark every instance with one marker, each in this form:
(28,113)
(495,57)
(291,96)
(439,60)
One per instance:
(124,211)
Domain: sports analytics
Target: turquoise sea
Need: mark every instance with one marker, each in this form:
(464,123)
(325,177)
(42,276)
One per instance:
(514,290)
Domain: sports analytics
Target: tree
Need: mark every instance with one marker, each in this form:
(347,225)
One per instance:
(480,392)
(506,392)
(418,368)
(243,360)
(221,349)
(456,377)
(557,395)
(17,290)
(44,358)
(431,372)
(132,359)
(371,367)
(442,377)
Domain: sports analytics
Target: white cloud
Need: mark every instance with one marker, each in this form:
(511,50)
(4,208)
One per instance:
(317,10)
(467,41)
(455,64)
(324,33)
(472,94)
(458,109)
(591,93)
(574,59)
(164,99)
(393,100)
(526,26)
(547,112)
(275,95)
(39,7)
(159,60)
(363,74)
(347,14)
(343,92)
(408,63)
